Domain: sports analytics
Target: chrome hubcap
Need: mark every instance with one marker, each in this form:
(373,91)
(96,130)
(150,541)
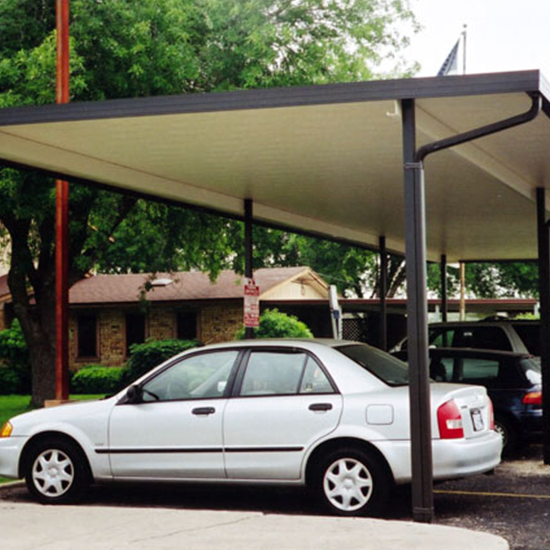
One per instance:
(347,484)
(53,473)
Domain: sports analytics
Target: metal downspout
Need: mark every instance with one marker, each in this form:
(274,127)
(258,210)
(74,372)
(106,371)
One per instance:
(419,393)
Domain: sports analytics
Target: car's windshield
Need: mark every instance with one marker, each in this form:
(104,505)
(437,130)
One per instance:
(389,369)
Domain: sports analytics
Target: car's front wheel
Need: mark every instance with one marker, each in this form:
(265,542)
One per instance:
(56,472)
(352,482)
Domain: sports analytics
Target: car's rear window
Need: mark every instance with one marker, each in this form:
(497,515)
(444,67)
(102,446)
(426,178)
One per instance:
(389,369)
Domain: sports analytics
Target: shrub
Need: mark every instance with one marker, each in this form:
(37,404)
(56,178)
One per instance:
(144,357)
(97,379)
(14,355)
(9,381)
(274,324)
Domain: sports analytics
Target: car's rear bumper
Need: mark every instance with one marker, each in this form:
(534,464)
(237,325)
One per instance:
(10,451)
(464,457)
(452,458)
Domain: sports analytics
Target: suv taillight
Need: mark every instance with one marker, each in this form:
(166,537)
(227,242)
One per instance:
(449,420)
(532,398)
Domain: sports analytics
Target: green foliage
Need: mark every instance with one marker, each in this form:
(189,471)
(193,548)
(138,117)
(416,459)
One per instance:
(96,379)
(489,280)
(9,381)
(14,356)
(144,357)
(274,324)
(527,317)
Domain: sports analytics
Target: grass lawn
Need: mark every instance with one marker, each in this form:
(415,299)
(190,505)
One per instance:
(12,405)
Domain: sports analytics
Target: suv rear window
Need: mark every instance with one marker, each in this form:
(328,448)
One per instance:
(479,337)
(530,335)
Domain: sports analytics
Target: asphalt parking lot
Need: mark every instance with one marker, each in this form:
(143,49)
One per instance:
(513,503)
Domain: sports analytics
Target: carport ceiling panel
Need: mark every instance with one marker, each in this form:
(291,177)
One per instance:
(470,215)
(321,162)
(517,156)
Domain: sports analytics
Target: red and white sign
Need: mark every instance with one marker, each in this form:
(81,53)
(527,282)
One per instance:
(251,304)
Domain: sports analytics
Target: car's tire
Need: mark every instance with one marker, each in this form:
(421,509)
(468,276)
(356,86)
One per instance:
(352,482)
(509,435)
(56,471)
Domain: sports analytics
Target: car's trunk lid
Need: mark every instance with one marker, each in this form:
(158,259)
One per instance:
(472,402)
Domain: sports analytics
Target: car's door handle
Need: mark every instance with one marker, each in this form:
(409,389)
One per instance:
(204,411)
(320,407)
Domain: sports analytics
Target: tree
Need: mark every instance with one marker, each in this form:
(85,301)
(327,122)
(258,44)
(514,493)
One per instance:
(129,48)
(489,279)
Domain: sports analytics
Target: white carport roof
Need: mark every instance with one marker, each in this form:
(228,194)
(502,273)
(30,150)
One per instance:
(325,159)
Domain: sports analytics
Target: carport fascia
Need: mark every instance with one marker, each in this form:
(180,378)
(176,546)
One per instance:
(404,91)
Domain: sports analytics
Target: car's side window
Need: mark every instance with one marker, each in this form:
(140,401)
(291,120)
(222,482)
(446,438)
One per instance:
(441,369)
(273,373)
(314,379)
(477,371)
(441,338)
(198,377)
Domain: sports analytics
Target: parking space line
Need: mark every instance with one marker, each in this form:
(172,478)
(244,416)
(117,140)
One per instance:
(488,494)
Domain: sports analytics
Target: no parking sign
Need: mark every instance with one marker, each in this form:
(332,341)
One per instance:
(251,304)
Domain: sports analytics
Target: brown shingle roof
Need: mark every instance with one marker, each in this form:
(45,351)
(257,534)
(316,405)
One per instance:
(103,289)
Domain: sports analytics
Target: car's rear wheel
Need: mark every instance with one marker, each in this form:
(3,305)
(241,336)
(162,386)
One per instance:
(352,482)
(56,472)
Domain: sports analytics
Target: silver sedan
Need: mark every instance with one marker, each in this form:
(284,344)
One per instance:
(330,415)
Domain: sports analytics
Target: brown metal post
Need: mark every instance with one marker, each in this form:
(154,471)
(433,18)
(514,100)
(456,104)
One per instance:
(248,251)
(62,218)
(543,239)
(383,292)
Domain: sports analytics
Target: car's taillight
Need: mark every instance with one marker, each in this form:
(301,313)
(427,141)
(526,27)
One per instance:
(532,398)
(450,421)
(491,415)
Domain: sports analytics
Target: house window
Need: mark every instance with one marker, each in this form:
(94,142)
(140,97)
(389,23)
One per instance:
(87,335)
(187,325)
(135,330)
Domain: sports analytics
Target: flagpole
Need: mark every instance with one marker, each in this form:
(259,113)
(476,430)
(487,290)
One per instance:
(464,32)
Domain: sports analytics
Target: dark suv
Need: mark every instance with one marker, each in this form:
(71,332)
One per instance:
(505,335)
(513,382)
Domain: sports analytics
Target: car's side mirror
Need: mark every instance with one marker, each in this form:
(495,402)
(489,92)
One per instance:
(133,394)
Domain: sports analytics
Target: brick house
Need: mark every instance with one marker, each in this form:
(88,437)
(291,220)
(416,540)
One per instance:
(108,313)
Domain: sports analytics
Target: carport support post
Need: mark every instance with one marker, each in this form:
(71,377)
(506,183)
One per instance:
(248,247)
(443,288)
(544,296)
(383,292)
(417,321)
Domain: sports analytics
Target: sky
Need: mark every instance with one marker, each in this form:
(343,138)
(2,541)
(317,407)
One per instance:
(502,35)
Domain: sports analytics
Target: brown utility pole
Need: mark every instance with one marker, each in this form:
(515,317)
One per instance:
(62,218)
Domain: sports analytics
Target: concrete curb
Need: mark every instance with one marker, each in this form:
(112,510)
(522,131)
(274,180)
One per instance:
(104,528)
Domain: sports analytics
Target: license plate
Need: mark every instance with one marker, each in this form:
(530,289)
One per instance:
(477,419)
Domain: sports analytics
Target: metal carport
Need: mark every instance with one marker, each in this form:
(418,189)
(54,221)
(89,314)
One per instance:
(328,160)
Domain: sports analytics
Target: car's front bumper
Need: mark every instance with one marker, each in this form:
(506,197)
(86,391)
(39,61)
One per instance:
(10,453)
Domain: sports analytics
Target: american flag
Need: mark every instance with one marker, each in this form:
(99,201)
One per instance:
(450,65)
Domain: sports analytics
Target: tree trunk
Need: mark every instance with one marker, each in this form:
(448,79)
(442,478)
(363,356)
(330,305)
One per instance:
(43,370)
